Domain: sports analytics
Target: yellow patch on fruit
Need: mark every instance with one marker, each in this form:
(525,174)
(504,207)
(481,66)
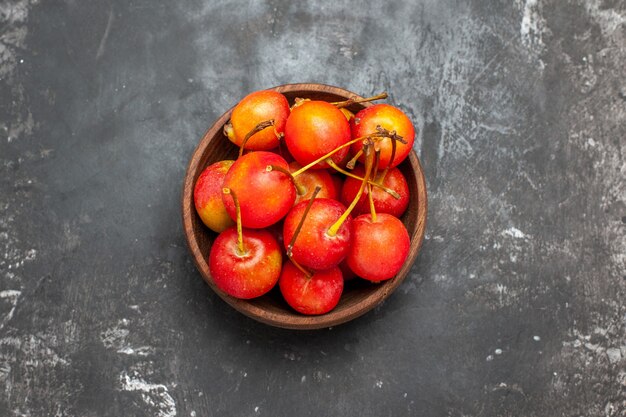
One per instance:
(215,217)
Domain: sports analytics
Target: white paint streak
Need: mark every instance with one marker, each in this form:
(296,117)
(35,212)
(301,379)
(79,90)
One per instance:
(515,233)
(12,296)
(532,23)
(154,395)
(115,338)
(532,28)
(614,354)
(608,19)
(140,351)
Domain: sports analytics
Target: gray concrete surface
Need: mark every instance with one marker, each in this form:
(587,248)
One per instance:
(515,306)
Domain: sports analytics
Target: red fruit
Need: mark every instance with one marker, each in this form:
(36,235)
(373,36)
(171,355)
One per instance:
(253,109)
(379,248)
(338,181)
(207,197)
(246,275)
(265,196)
(315,128)
(308,180)
(387,117)
(314,247)
(383,201)
(317,294)
(347,273)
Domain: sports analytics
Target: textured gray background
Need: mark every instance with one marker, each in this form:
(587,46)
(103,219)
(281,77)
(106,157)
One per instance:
(515,306)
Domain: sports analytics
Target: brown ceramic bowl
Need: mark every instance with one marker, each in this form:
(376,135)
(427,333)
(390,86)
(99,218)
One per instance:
(359,296)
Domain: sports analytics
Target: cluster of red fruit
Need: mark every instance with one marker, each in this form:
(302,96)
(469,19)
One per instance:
(264,207)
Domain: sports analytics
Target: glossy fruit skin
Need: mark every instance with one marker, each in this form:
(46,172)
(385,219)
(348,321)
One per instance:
(318,294)
(309,179)
(313,129)
(207,196)
(250,275)
(383,201)
(390,118)
(313,247)
(253,109)
(265,196)
(370,240)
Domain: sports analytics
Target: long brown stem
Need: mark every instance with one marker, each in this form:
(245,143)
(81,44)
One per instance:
(376,162)
(255,129)
(337,168)
(297,232)
(351,163)
(332,231)
(241,250)
(299,188)
(346,103)
(393,155)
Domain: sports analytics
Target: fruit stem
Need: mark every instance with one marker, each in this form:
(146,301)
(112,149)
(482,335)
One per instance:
(306,273)
(367,144)
(371,198)
(297,232)
(351,163)
(337,168)
(381,133)
(299,188)
(241,250)
(255,129)
(393,155)
(390,134)
(376,162)
(346,103)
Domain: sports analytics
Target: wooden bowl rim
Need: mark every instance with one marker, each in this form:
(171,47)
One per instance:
(294,320)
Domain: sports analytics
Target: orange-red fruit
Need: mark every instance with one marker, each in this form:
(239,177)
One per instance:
(383,201)
(317,294)
(314,247)
(207,196)
(249,275)
(309,179)
(313,129)
(253,109)
(265,196)
(390,118)
(378,249)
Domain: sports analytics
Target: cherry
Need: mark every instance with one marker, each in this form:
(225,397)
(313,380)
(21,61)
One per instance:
(207,196)
(244,263)
(316,293)
(347,273)
(265,108)
(368,120)
(384,202)
(315,128)
(308,180)
(318,232)
(379,246)
(265,195)
(314,247)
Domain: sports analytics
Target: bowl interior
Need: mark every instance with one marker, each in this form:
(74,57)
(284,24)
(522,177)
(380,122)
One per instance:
(359,295)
